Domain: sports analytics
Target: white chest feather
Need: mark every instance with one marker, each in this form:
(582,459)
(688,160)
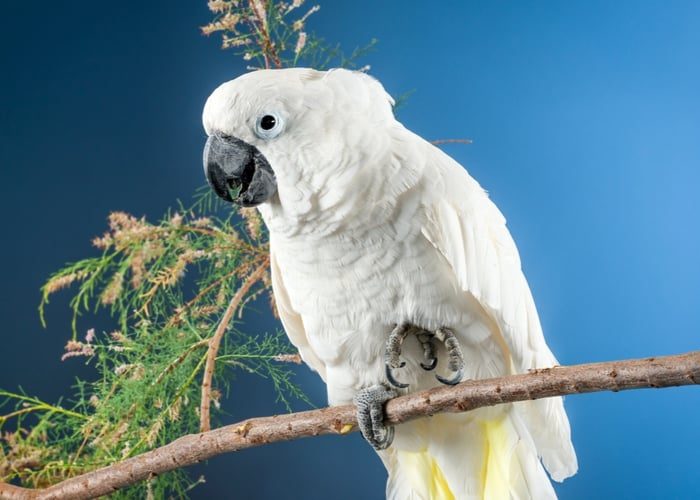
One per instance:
(382,278)
(355,265)
(350,292)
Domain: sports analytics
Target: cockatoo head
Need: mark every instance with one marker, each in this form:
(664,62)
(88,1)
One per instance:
(294,140)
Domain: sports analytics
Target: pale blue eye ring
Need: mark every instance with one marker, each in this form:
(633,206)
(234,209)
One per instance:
(269,125)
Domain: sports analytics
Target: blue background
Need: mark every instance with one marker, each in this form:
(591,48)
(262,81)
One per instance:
(585,118)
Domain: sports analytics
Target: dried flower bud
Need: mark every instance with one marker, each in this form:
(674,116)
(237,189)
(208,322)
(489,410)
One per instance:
(301,41)
(74,349)
(288,358)
(258,7)
(118,336)
(201,222)
(253,222)
(112,291)
(122,369)
(217,6)
(154,431)
(73,345)
(299,24)
(102,242)
(174,410)
(229,21)
(59,282)
(176,220)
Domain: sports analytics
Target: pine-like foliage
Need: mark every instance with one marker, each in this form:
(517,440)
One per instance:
(167,286)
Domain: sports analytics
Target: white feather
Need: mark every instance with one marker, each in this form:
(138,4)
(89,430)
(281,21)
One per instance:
(462,210)
(372,226)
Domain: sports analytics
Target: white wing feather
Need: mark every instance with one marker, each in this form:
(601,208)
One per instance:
(292,321)
(471,233)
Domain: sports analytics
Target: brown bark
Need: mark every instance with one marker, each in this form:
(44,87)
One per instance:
(215,342)
(667,371)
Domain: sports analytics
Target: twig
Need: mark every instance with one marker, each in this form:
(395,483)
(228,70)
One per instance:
(288,358)
(168,369)
(215,342)
(667,371)
(178,315)
(267,45)
(437,142)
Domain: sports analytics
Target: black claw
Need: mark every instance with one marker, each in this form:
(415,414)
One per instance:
(456,378)
(431,366)
(383,444)
(426,340)
(391,379)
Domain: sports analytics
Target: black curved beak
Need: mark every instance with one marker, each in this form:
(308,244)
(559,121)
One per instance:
(237,171)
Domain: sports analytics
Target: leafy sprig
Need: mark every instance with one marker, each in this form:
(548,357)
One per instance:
(166,285)
(273,34)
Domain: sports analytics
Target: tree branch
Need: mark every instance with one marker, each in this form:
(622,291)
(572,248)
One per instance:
(667,371)
(215,342)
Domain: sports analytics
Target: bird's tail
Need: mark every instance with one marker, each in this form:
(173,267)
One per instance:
(486,454)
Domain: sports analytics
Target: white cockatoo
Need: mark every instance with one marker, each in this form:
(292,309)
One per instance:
(392,272)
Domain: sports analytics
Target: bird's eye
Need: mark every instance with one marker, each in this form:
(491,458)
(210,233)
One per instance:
(268,122)
(269,126)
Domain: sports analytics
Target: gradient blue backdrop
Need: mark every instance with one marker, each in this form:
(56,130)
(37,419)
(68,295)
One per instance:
(585,118)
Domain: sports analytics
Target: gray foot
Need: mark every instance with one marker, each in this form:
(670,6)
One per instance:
(370,415)
(429,358)
(454,355)
(392,354)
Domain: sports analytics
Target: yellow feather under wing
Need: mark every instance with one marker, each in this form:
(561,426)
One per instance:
(511,466)
(495,476)
(490,458)
(427,479)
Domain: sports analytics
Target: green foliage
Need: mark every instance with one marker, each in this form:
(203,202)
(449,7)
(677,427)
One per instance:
(166,285)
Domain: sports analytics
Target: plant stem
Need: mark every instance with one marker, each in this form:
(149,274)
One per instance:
(215,342)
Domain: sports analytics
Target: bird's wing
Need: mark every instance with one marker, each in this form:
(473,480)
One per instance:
(292,321)
(467,228)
